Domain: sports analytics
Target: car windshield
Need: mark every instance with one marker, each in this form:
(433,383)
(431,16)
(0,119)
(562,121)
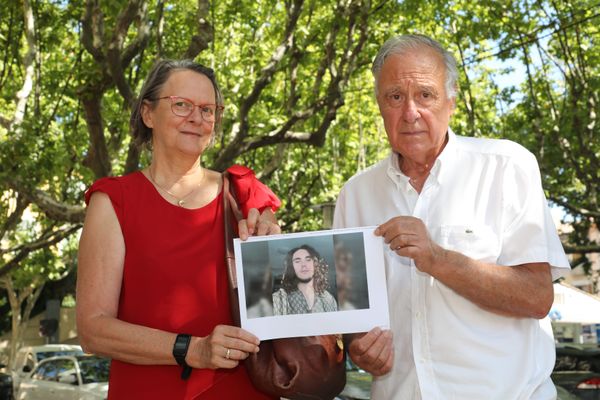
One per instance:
(94,369)
(47,354)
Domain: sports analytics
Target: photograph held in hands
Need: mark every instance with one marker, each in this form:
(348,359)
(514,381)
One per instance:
(312,283)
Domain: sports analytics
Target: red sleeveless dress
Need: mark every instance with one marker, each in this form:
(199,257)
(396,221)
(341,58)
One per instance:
(174,279)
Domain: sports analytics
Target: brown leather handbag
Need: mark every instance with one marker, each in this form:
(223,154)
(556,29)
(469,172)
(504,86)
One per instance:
(301,368)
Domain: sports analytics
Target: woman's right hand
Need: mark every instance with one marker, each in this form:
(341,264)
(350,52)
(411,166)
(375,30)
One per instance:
(258,224)
(225,347)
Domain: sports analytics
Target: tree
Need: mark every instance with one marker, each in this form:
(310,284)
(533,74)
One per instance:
(75,82)
(25,285)
(552,110)
(298,90)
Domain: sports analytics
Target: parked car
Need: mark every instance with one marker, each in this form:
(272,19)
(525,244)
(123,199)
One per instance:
(576,375)
(358,383)
(577,370)
(6,385)
(67,378)
(563,394)
(28,357)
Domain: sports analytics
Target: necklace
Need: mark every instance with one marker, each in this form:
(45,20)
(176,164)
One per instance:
(180,200)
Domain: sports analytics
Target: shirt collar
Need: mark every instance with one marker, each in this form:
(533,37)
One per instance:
(439,171)
(444,161)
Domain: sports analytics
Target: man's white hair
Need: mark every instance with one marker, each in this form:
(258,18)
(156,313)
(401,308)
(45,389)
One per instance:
(404,43)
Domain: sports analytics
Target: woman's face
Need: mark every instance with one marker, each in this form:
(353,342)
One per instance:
(304,265)
(174,134)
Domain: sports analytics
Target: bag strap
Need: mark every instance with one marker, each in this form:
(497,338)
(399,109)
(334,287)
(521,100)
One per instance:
(231,208)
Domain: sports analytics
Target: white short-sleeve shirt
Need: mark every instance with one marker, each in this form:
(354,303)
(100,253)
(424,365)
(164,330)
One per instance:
(484,199)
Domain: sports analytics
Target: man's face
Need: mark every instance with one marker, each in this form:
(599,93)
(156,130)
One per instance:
(304,265)
(414,104)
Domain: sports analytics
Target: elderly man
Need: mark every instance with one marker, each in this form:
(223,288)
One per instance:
(471,247)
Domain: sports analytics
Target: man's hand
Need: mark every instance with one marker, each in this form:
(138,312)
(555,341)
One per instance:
(373,351)
(521,291)
(258,224)
(408,237)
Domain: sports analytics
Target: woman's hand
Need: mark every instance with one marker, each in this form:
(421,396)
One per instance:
(225,347)
(258,224)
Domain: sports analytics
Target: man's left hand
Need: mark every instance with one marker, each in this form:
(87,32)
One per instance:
(408,237)
(373,351)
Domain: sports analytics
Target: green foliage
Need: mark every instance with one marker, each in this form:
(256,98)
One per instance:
(316,80)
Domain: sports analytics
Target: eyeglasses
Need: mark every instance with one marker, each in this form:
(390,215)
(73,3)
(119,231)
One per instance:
(183,107)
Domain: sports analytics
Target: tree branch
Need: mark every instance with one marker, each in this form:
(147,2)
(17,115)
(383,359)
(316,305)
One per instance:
(141,40)
(28,64)
(573,209)
(204,35)
(581,249)
(294,212)
(92,30)
(135,9)
(97,157)
(468,99)
(268,71)
(160,27)
(31,300)
(274,163)
(10,23)
(20,316)
(357,14)
(46,239)
(13,219)
(4,122)
(329,53)
(55,210)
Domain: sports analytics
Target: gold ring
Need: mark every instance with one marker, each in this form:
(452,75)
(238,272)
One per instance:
(227,354)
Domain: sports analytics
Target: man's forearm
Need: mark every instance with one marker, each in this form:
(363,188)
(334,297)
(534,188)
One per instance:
(524,291)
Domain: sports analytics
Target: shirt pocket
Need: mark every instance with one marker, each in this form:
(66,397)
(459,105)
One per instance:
(479,242)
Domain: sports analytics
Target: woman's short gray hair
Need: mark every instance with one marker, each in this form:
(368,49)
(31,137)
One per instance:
(403,43)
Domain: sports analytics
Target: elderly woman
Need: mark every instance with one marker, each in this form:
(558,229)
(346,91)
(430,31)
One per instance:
(152,285)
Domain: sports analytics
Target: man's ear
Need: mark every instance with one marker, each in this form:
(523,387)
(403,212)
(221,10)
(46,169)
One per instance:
(147,114)
(452,105)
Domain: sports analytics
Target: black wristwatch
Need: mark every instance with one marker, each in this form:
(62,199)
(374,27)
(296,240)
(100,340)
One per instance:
(180,349)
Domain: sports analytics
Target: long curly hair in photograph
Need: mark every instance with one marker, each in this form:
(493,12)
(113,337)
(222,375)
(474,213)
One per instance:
(289,281)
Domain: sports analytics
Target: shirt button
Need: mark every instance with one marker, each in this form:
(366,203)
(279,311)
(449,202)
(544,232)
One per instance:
(417,315)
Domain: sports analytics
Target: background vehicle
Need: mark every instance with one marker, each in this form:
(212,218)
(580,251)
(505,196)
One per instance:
(576,375)
(358,383)
(28,357)
(577,370)
(6,385)
(67,378)
(563,394)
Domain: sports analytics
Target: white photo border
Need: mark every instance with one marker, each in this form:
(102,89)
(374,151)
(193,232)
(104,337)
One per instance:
(337,322)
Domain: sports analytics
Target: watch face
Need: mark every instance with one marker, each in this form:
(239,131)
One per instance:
(180,348)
